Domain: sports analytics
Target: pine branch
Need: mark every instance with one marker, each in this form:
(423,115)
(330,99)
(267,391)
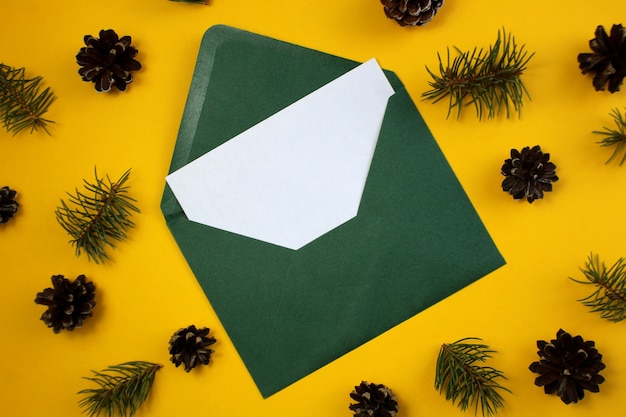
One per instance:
(464,380)
(122,389)
(97,218)
(609,298)
(488,79)
(22,104)
(615,137)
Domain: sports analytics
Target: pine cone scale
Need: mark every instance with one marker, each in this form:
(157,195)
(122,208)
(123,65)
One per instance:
(108,37)
(69,322)
(544,366)
(615,39)
(413,8)
(546,379)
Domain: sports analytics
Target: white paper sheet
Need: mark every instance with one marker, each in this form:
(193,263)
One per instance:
(296,175)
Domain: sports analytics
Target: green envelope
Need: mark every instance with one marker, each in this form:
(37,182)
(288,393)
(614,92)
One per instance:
(416,239)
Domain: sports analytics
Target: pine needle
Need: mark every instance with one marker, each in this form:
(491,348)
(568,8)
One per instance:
(465,381)
(609,298)
(122,389)
(99,217)
(487,79)
(22,103)
(615,137)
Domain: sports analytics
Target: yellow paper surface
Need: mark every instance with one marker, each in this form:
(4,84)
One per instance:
(147,292)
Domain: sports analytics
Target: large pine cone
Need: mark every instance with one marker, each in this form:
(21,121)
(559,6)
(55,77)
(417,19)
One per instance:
(189,346)
(373,400)
(528,174)
(411,12)
(108,61)
(69,303)
(568,366)
(8,205)
(608,60)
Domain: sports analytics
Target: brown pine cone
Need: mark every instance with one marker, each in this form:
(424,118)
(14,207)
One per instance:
(568,366)
(108,61)
(411,12)
(608,60)
(373,400)
(189,346)
(529,173)
(8,205)
(69,302)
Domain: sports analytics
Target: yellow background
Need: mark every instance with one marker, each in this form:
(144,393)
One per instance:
(147,292)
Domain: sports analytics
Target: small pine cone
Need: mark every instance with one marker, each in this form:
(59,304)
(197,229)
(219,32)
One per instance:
(528,174)
(108,61)
(411,12)
(69,303)
(8,205)
(568,366)
(188,346)
(373,400)
(608,60)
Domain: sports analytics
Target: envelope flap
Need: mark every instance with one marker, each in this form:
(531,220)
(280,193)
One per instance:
(235,98)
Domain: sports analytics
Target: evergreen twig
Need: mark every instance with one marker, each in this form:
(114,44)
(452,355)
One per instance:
(96,219)
(615,137)
(609,298)
(22,103)
(488,79)
(122,389)
(460,374)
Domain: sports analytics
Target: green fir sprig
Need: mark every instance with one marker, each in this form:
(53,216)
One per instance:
(98,217)
(615,137)
(121,390)
(609,298)
(487,79)
(461,375)
(22,102)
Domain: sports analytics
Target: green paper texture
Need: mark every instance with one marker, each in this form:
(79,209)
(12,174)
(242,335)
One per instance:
(416,239)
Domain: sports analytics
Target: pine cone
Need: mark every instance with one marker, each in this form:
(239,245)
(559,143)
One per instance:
(528,174)
(568,365)
(373,400)
(189,346)
(69,303)
(608,60)
(8,205)
(411,12)
(108,61)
